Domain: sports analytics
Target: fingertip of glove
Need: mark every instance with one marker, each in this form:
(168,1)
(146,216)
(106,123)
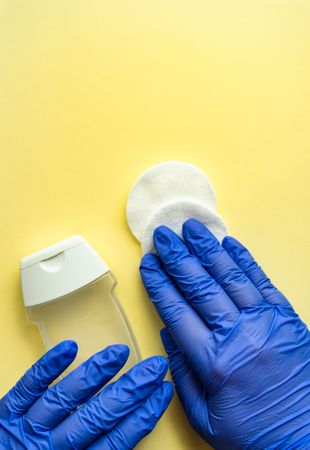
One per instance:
(229,243)
(57,359)
(191,227)
(157,363)
(161,231)
(161,398)
(165,393)
(164,240)
(67,348)
(118,350)
(111,358)
(149,260)
(162,363)
(195,232)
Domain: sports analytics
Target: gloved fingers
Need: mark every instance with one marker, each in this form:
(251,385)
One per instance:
(253,271)
(191,391)
(220,265)
(76,388)
(102,413)
(134,427)
(186,326)
(37,379)
(198,287)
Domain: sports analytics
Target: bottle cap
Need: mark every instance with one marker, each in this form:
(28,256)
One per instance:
(59,269)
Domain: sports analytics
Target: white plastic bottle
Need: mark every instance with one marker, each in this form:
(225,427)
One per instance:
(69,293)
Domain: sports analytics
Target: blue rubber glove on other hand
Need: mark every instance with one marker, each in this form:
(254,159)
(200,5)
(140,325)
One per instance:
(238,352)
(33,416)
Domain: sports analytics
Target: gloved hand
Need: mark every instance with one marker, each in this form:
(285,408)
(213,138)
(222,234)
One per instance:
(35,417)
(239,354)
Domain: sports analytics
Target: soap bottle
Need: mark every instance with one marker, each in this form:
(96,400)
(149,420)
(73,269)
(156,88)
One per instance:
(68,293)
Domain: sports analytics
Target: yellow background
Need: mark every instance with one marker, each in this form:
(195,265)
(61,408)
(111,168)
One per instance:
(93,92)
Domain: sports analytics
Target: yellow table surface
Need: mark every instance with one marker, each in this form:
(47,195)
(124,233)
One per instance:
(93,92)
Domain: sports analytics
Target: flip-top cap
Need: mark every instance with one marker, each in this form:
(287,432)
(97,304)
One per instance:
(59,270)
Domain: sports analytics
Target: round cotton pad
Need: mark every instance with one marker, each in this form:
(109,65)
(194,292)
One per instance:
(162,183)
(175,213)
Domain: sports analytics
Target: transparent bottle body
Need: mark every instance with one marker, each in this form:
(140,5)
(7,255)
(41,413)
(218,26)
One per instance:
(91,315)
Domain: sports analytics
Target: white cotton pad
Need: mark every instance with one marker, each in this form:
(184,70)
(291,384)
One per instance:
(162,183)
(175,213)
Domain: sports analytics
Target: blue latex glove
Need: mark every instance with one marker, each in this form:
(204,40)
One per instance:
(239,354)
(35,417)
